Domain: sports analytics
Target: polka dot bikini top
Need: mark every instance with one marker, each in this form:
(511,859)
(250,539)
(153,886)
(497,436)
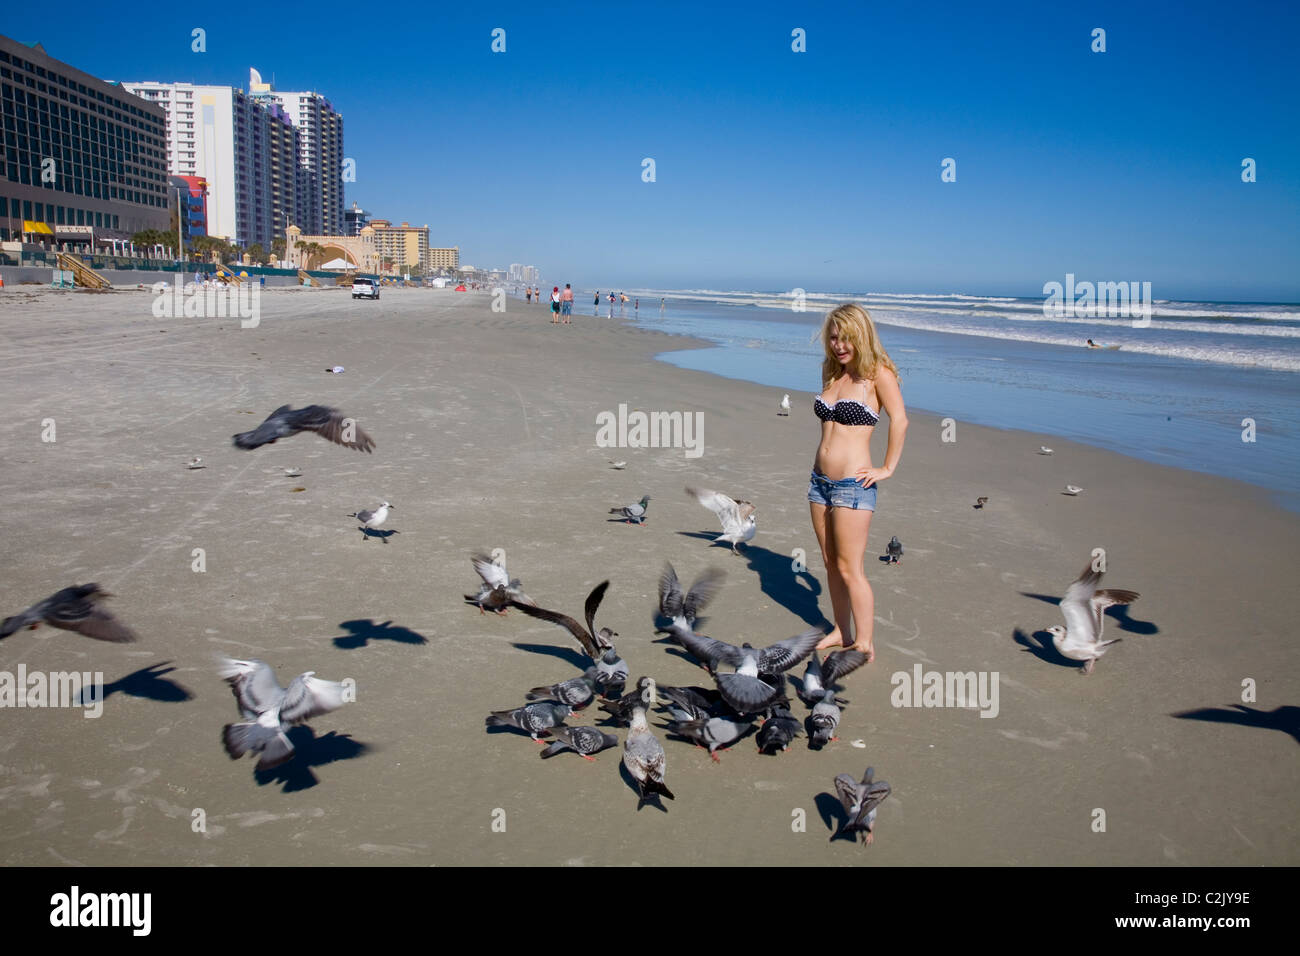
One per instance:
(846,411)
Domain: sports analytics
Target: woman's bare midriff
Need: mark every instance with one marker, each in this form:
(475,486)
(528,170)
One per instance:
(844,450)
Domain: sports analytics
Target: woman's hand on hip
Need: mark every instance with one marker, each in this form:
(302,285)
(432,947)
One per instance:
(869,476)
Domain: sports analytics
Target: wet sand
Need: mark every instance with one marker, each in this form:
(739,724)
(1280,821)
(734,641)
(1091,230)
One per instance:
(486,431)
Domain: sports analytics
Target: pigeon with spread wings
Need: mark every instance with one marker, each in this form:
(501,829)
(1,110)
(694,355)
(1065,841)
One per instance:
(324,421)
(73,609)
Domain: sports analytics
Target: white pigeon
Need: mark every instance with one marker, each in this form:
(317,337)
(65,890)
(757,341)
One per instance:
(739,521)
(269,709)
(1084,608)
(1072,489)
(785,405)
(1044,450)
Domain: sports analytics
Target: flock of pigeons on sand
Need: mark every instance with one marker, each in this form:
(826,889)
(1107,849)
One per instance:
(754,689)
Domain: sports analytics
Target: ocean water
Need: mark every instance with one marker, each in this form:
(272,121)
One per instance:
(1178,391)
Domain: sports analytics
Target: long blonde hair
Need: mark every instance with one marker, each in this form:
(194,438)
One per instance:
(856,328)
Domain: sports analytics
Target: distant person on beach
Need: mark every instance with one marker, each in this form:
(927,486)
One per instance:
(595,308)
(858,381)
(636,306)
(1093,345)
(661,305)
(528,293)
(566,303)
(555,305)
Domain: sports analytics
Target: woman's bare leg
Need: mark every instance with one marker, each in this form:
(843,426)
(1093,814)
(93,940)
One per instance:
(841,607)
(849,528)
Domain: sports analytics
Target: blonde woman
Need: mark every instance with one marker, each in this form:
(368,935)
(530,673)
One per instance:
(859,380)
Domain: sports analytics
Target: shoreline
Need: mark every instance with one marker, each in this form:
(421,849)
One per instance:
(485,426)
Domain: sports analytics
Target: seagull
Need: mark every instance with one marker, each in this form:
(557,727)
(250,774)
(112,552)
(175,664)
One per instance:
(498,590)
(585,741)
(72,609)
(643,754)
(739,523)
(819,676)
(611,670)
(324,421)
(536,718)
(633,513)
(743,691)
(1071,490)
(713,732)
(785,405)
(1084,608)
(195,463)
(270,710)
(373,519)
(1044,450)
(617,465)
(825,718)
(981,502)
(292,472)
(860,802)
(577,692)
(673,604)
(778,730)
(895,550)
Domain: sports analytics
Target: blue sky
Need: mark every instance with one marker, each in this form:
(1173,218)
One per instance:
(777,169)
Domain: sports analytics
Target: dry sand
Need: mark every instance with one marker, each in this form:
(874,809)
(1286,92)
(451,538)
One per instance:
(486,427)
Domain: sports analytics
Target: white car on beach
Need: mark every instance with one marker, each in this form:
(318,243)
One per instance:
(363,287)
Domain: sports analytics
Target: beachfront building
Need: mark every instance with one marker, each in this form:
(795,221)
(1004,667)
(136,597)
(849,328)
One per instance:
(405,246)
(320,155)
(358,253)
(443,259)
(354,220)
(82,160)
(191,192)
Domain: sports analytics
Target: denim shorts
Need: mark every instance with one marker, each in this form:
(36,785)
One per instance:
(845,493)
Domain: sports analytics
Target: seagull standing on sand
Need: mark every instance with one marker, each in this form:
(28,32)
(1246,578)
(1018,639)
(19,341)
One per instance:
(785,405)
(1071,490)
(860,801)
(270,709)
(1044,450)
(195,463)
(372,519)
(635,514)
(1084,608)
(739,522)
(73,609)
(643,754)
(325,421)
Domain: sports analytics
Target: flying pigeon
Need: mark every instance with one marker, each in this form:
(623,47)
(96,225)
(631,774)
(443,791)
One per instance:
(327,422)
(270,710)
(744,691)
(819,676)
(73,609)
(1084,608)
(585,741)
(860,801)
(643,754)
(895,550)
(633,513)
(673,604)
(498,590)
(536,718)
(739,522)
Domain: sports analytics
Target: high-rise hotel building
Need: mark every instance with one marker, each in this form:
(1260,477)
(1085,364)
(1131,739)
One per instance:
(320,157)
(77,152)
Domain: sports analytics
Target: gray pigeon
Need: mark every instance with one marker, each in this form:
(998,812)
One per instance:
(535,719)
(611,674)
(498,590)
(894,550)
(643,754)
(270,710)
(860,801)
(744,691)
(673,604)
(577,692)
(325,421)
(73,609)
(621,708)
(824,719)
(818,676)
(713,732)
(778,731)
(635,514)
(585,741)
(693,703)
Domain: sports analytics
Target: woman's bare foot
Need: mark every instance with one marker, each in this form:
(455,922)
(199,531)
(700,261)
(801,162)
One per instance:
(832,639)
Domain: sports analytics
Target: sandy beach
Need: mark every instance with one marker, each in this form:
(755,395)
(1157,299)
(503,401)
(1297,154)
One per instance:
(486,426)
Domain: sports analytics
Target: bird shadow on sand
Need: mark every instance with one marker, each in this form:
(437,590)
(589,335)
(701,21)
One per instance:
(796,591)
(567,654)
(1118,612)
(310,751)
(1041,646)
(382,534)
(1285,718)
(653,800)
(150,682)
(361,633)
(834,817)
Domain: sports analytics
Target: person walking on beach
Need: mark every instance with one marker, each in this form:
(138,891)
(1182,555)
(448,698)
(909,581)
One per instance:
(611,306)
(566,303)
(555,305)
(528,294)
(859,381)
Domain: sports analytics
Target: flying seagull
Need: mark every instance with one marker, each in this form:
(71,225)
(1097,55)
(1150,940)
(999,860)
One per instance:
(584,741)
(739,522)
(643,754)
(1084,608)
(860,801)
(633,513)
(270,710)
(72,609)
(498,590)
(895,550)
(325,421)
